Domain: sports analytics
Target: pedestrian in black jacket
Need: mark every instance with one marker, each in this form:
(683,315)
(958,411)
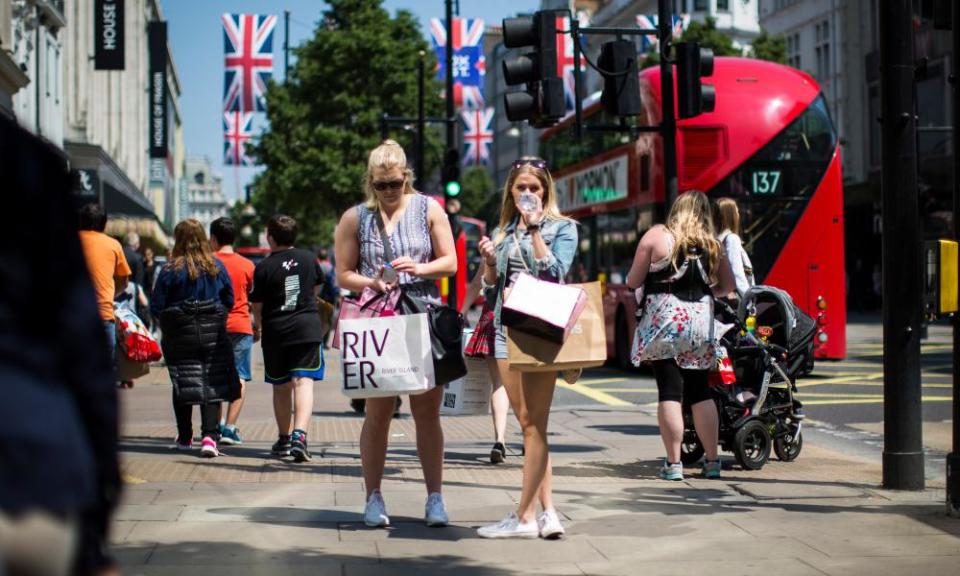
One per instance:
(59,481)
(191,298)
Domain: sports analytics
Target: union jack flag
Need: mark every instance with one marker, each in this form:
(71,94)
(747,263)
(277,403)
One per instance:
(477,136)
(248,61)
(565,62)
(237,132)
(649,22)
(469,62)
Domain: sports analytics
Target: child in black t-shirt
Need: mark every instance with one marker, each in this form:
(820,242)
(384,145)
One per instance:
(285,287)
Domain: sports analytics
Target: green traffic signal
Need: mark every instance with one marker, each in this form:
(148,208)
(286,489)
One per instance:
(453,188)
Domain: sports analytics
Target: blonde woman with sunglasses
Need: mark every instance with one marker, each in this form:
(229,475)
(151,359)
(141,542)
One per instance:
(532,237)
(420,237)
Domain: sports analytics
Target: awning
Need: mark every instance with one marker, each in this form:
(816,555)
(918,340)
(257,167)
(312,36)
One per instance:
(98,177)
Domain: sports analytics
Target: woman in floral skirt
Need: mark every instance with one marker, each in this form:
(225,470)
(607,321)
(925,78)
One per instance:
(677,270)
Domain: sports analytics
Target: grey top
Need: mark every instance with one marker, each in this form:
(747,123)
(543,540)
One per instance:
(410,237)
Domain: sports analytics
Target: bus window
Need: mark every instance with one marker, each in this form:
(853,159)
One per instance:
(774,186)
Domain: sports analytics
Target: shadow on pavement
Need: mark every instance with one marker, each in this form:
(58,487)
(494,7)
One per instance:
(629,429)
(215,558)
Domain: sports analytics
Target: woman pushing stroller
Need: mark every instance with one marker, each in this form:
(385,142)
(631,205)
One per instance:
(677,270)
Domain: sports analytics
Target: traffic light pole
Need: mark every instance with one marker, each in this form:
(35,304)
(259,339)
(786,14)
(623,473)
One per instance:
(669,121)
(953,459)
(903,467)
(451,128)
(421,124)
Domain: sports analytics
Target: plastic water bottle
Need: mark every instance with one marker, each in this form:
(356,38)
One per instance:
(388,275)
(527,202)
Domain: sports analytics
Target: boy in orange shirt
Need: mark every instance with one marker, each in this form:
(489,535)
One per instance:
(106,264)
(223,232)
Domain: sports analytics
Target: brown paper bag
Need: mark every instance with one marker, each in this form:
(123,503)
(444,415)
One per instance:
(128,369)
(586,347)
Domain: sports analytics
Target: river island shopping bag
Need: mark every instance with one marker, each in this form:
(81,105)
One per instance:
(386,356)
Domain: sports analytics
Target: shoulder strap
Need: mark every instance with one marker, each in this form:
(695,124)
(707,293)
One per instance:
(387,247)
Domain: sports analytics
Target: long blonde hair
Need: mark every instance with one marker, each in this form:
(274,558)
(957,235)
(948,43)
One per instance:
(691,224)
(191,249)
(508,209)
(726,215)
(386,156)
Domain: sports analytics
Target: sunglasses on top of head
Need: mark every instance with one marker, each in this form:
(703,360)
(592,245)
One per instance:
(538,163)
(392,184)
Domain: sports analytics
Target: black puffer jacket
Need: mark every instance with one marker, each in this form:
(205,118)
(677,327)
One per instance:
(198,352)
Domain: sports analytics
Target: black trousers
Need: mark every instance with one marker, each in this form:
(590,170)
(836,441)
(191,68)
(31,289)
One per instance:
(209,420)
(680,384)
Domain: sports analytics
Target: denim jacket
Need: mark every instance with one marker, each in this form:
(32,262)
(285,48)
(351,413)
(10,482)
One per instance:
(560,236)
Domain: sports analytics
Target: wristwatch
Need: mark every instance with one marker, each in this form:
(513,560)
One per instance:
(533,227)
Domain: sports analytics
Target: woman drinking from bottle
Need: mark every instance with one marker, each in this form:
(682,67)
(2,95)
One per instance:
(532,236)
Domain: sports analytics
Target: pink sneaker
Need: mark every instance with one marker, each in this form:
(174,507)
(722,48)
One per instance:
(208,448)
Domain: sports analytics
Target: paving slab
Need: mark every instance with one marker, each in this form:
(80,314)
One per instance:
(930,565)
(156,512)
(795,490)
(722,547)
(859,545)
(680,567)
(443,564)
(502,552)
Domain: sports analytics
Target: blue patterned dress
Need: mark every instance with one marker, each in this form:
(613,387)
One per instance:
(410,237)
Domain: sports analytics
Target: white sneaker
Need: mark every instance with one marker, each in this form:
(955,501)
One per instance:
(550,527)
(510,527)
(435,514)
(375,514)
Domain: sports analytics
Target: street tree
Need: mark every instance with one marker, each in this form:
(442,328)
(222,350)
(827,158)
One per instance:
(360,63)
(765,47)
(772,48)
(476,189)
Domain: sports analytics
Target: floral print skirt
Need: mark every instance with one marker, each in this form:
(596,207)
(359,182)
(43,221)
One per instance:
(673,328)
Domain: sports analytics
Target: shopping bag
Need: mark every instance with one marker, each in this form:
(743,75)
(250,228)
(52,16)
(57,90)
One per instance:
(370,304)
(446,335)
(543,309)
(129,369)
(469,394)
(586,347)
(133,339)
(386,356)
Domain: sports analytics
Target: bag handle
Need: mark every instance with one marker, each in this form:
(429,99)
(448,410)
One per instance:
(516,242)
(387,246)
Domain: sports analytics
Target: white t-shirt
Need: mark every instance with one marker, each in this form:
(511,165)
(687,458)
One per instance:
(739,261)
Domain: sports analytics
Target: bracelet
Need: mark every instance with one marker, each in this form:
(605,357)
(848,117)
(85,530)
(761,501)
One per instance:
(484,285)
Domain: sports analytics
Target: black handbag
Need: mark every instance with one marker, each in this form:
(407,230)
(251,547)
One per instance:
(446,336)
(446,325)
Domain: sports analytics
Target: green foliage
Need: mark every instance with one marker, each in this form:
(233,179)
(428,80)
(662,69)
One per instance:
(360,64)
(771,48)
(476,189)
(765,47)
(244,219)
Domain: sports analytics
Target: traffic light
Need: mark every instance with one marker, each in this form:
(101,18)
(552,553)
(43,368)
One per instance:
(693,63)
(621,82)
(542,103)
(451,173)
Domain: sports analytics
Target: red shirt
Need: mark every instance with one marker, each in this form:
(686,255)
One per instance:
(240,270)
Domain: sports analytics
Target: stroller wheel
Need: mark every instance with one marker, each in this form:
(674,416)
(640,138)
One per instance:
(788,450)
(691,450)
(751,445)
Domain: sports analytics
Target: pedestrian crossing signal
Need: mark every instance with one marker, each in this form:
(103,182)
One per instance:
(451,174)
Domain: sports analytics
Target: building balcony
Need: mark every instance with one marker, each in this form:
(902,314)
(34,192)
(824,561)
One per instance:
(51,13)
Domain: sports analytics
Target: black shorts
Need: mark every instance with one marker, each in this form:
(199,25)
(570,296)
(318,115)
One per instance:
(282,364)
(680,384)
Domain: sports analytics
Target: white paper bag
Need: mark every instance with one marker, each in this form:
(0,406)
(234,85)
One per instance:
(386,356)
(470,394)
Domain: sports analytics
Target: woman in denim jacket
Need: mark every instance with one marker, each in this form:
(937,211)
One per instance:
(540,241)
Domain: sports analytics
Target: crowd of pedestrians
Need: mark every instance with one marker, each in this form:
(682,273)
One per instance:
(210,306)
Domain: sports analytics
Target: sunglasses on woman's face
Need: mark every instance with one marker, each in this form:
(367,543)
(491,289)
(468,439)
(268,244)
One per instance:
(537,163)
(392,184)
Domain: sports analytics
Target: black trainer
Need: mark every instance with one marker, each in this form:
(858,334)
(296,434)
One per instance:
(282,446)
(498,453)
(298,446)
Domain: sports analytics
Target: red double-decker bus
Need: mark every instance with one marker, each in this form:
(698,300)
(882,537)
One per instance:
(769,143)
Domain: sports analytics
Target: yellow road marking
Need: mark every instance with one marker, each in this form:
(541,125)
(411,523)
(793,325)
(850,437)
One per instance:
(593,394)
(870,401)
(651,389)
(593,381)
(875,384)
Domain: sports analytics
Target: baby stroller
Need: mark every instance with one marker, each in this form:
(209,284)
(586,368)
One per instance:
(770,346)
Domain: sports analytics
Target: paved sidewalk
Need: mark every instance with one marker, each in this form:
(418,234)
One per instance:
(248,513)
